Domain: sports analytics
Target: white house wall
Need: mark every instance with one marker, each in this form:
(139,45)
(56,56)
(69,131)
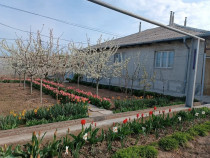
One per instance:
(174,78)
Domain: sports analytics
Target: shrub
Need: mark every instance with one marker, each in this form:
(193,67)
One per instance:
(181,137)
(168,143)
(201,130)
(137,151)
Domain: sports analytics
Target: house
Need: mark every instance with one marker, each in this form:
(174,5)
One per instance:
(167,54)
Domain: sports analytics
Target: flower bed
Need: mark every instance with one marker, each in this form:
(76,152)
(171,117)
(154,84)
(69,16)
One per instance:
(94,99)
(43,115)
(140,103)
(63,96)
(93,142)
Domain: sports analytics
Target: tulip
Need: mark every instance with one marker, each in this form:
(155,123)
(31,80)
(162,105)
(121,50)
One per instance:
(150,113)
(137,115)
(155,107)
(169,110)
(115,130)
(83,122)
(125,121)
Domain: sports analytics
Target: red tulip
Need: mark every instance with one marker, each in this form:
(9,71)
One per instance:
(142,115)
(92,122)
(163,111)
(125,121)
(83,122)
(95,124)
(155,107)
(169,110)
(113,124)
(137,115)
(189,109)
(150,113)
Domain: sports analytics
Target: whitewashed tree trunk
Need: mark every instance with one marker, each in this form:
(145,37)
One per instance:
(31,84)
(24,82)
(41,91)
(97,84)
(19,80)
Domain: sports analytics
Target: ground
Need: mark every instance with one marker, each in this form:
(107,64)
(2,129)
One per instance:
(16,98)
(198,148)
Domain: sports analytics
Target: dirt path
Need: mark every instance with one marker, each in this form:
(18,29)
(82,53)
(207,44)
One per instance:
(198,148)
(13,97)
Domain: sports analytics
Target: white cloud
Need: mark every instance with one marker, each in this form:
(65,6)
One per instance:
(198,13)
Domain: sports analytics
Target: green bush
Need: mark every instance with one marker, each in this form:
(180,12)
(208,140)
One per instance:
(181,137)
(201,130)
(137,151)
(168,143)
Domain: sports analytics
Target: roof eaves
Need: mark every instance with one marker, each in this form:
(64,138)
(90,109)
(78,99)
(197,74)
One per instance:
(155,41)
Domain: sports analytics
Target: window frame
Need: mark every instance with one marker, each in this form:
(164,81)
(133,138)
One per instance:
(161,58)
(119,59)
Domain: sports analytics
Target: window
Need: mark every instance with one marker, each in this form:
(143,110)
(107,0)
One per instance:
(117,57)
(164,59)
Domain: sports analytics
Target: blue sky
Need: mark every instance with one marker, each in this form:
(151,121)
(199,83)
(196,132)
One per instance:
(86,13)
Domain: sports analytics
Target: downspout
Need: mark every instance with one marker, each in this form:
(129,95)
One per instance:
(187,66)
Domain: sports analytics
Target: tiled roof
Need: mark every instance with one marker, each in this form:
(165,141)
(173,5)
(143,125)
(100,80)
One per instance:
(158,34)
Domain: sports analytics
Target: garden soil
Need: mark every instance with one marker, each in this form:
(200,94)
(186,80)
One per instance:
(13,97)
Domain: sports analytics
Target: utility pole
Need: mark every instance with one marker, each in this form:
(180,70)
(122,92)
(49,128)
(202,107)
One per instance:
(194,57)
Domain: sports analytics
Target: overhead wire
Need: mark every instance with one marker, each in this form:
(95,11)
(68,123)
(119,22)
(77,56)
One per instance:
(62,21)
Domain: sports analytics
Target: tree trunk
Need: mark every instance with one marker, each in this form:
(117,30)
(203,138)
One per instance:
(144,91)
(41,90)
(132,87)
(15,74)
(24,82)
(31,84)
(126,88)
(78,81)
(109,83)
(97,83)
(19,80)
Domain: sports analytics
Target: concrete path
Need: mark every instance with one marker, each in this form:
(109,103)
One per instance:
(20,138)
(94,111)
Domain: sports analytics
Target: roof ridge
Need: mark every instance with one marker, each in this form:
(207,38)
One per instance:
(191,28)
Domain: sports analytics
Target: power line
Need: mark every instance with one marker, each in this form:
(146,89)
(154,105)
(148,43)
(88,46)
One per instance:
(35,33)
(62,21)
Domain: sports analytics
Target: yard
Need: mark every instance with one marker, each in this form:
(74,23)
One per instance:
(15,98)
(26,109)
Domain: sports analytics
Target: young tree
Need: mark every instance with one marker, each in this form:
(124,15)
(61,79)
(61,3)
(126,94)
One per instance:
(147,80)
(78,60)
(100,61)
(44,57)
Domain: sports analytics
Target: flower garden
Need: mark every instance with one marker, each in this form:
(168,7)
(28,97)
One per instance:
(142,137)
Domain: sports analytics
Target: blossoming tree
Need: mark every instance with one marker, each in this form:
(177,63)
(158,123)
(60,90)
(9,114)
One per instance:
(100,61)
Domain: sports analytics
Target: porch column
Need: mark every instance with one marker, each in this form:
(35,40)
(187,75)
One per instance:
(192,73)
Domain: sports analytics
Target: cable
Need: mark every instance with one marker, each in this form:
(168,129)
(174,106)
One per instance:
(35,33)
(62,21)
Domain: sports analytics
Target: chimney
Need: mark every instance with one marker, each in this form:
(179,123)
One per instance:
(172,23)
(185,22)
(170,19)
(139,26)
